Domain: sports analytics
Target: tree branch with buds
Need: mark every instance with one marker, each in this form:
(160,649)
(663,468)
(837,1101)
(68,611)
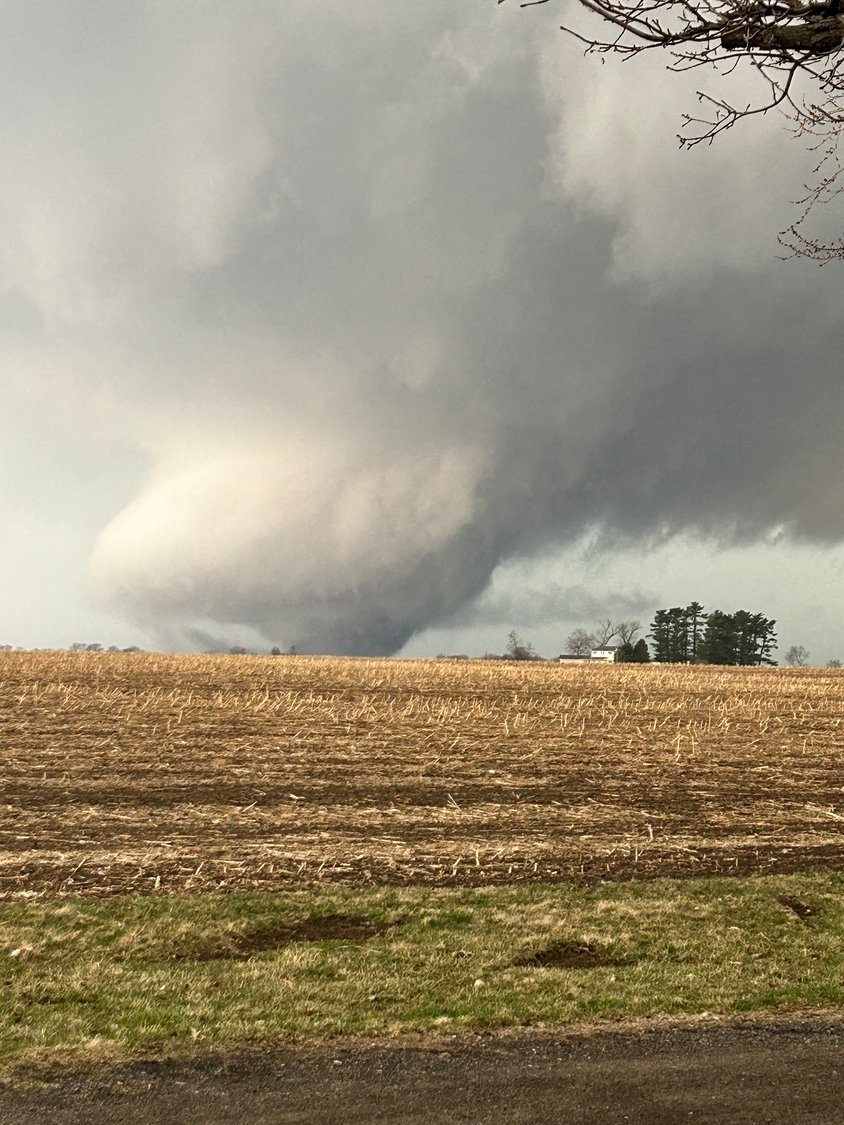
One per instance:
(787,44)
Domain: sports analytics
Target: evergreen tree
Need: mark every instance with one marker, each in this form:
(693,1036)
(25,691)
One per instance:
(676,633)
(660,634)
(696,624)
(745,637)
(739,638)
(720,644)
(766,638)
(628,653)
(678,645)
(640,654)
(683,635)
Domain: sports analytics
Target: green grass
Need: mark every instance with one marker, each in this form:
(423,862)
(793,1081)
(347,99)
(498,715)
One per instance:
(112,977)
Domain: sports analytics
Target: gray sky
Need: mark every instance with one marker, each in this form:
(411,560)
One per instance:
(375,328)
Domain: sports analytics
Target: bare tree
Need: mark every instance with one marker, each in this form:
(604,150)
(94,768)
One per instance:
(605,632)
(833,663)
(797,655)
(794,47)
(627,630)
(624,632)
(580,643)
(517,649)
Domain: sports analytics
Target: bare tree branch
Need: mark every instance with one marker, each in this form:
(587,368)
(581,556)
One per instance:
(779,40)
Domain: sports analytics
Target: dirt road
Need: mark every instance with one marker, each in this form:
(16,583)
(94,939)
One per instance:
(772,1074)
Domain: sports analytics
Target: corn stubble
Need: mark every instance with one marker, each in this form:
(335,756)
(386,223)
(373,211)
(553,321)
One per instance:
(139,773)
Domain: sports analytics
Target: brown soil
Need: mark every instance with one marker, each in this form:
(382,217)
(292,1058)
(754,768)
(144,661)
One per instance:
(326,927)
(569,955)
(764,1074)
(154,774)
(801,909)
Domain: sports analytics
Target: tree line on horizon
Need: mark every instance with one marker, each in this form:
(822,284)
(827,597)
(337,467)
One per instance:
(688,635)
(685,635)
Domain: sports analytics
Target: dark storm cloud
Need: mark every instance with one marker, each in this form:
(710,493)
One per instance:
(388,297)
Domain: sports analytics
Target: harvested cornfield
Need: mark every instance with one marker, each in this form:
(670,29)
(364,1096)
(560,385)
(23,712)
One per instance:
(152,773)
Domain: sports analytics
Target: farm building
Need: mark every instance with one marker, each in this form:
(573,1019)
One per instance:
(606,653)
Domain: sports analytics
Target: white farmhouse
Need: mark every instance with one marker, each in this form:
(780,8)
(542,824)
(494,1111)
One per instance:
(605,652)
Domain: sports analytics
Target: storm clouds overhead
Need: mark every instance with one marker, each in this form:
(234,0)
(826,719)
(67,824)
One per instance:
(314,317)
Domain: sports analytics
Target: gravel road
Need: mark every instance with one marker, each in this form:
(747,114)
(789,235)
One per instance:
(753,1074)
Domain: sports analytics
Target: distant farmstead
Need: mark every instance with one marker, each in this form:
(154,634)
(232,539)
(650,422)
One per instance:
(605,653)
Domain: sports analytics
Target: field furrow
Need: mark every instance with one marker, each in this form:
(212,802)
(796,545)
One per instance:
(138,772)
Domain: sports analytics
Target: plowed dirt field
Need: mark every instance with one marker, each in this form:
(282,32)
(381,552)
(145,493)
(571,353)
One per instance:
(152,773)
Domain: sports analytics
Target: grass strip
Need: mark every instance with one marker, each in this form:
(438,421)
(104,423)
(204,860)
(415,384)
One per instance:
(114,977)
